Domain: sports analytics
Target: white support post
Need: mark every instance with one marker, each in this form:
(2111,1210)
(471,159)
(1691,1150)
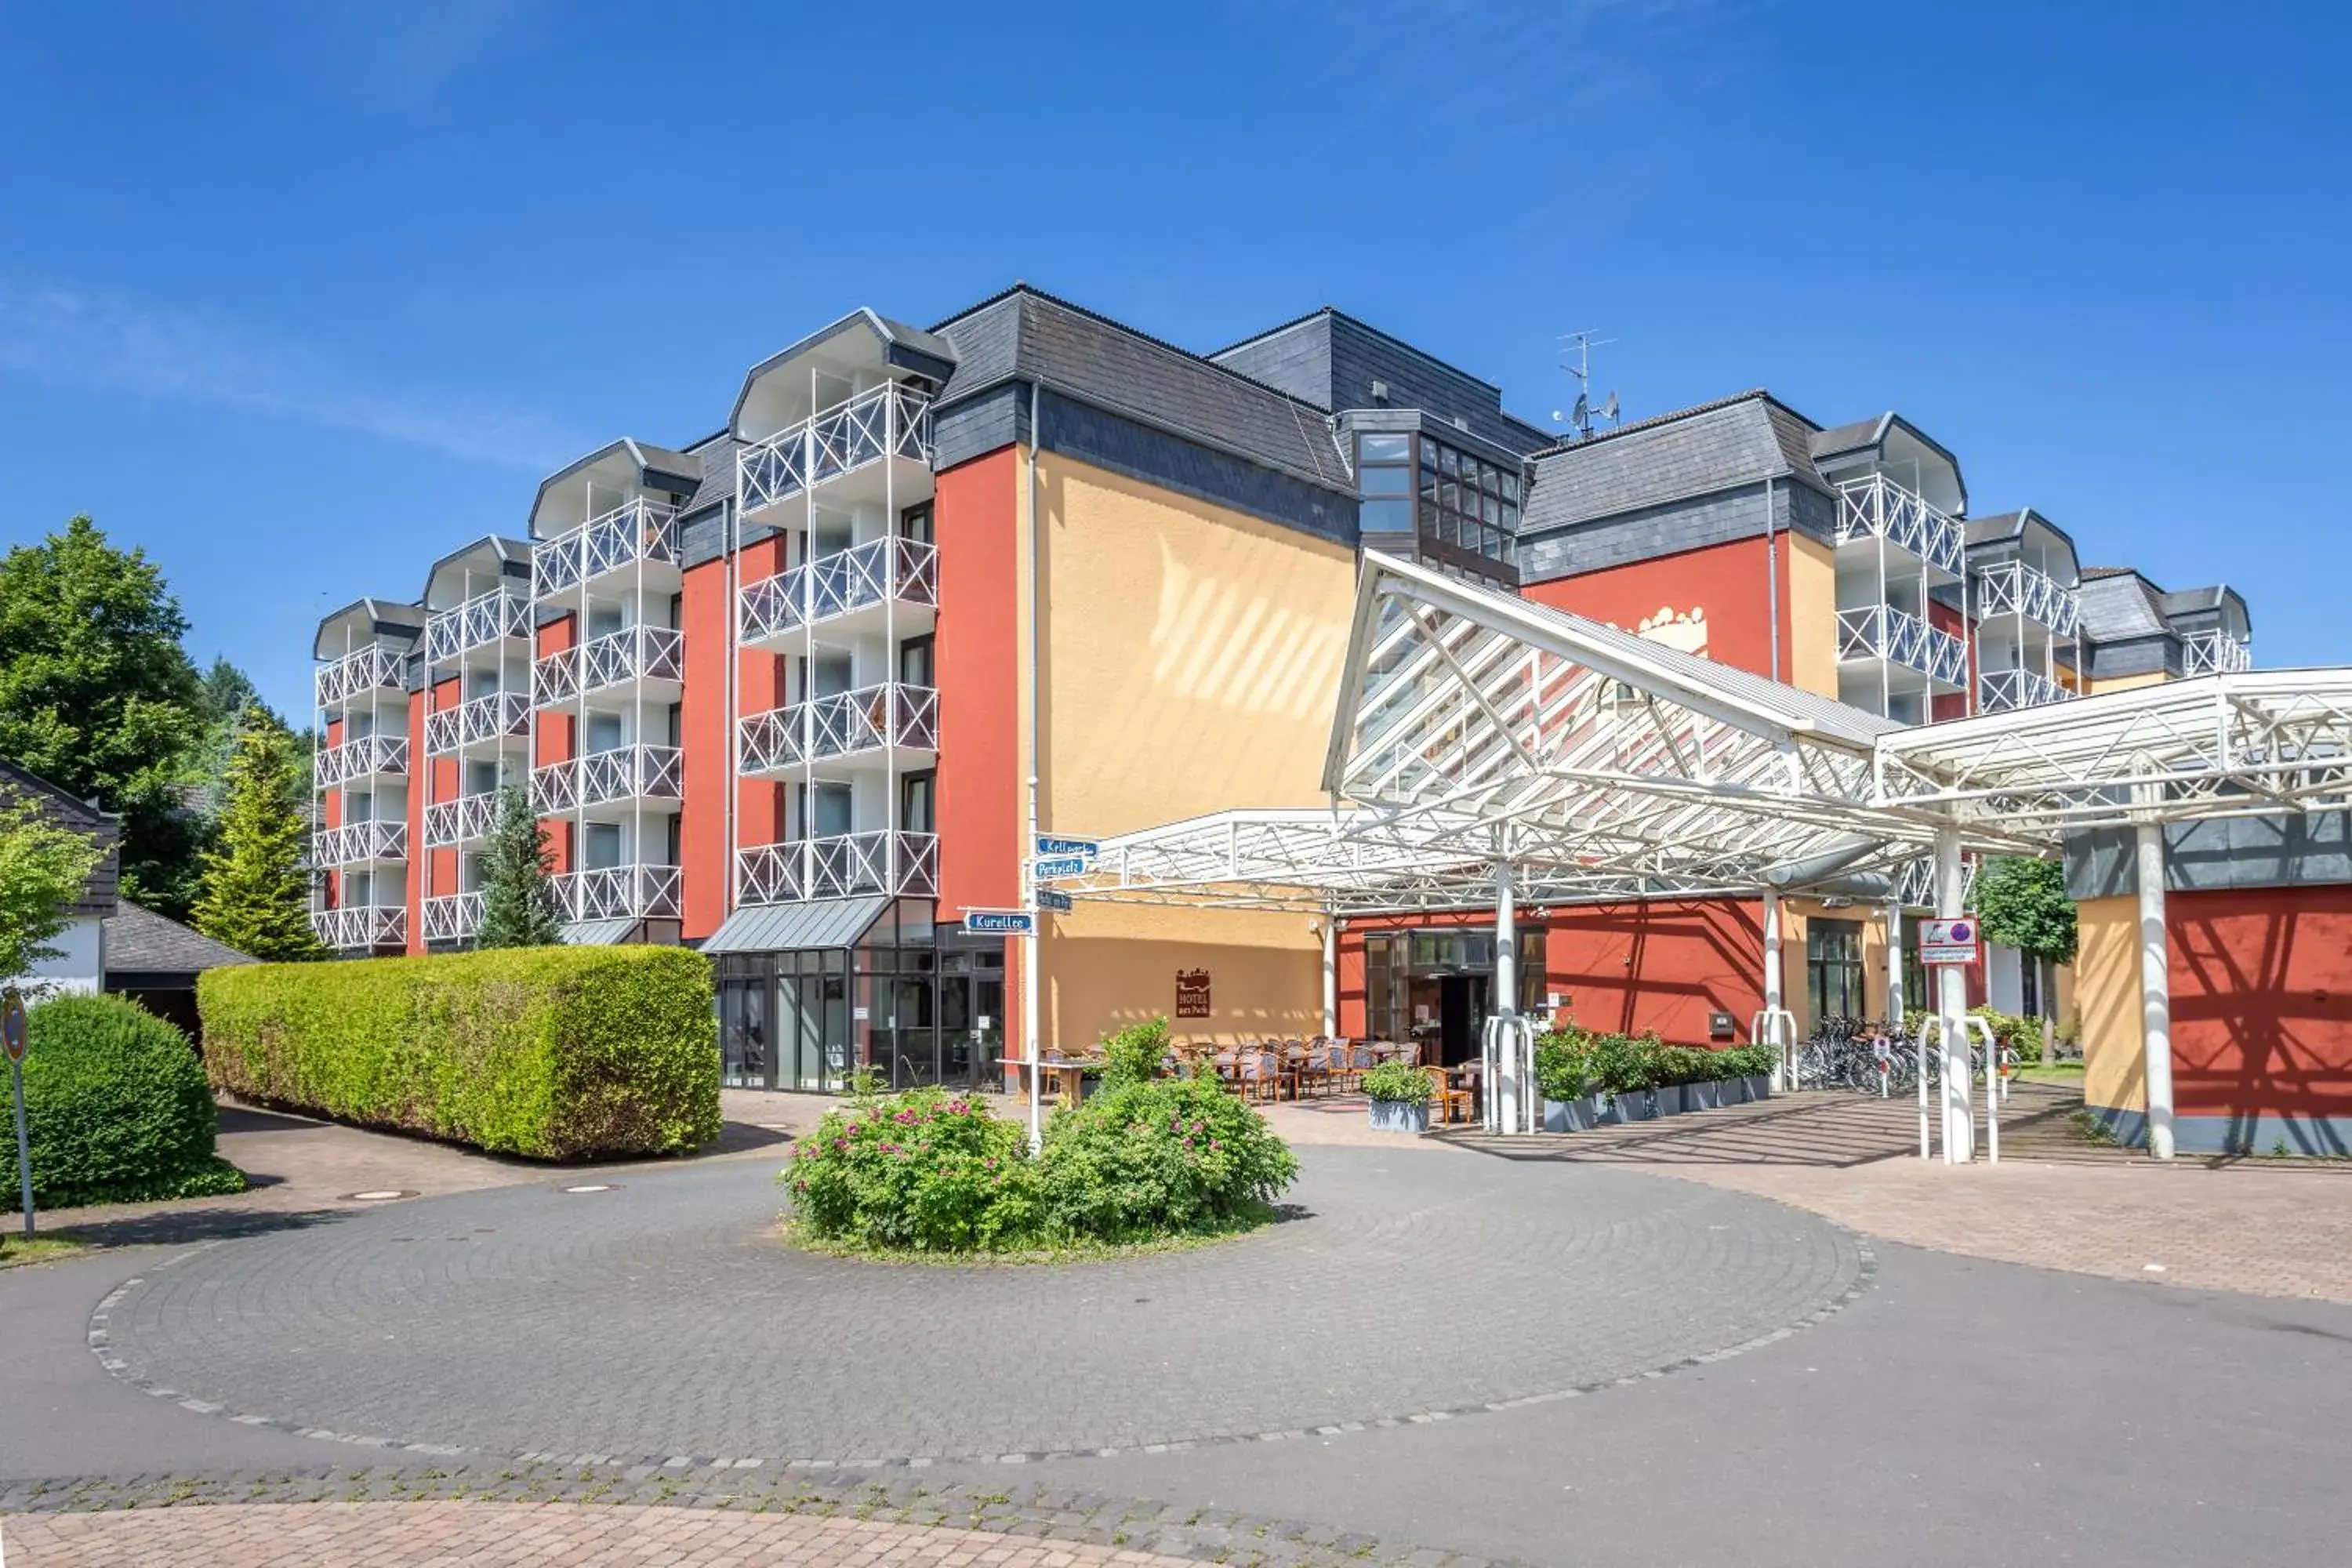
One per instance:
(1952,1005)
(1504,1066)
(1330,975)
(2155,988)
(1784,1074)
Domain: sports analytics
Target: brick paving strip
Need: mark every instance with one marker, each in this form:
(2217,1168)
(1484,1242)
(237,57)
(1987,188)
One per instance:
(643,1514)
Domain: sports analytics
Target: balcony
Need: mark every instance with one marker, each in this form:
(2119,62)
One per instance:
(452,917)
(2214,653)
(622,892)
(638,534)
(360,843)
(362,928)
(495,720)
(1878,508)
(1882,631)
(892,421)
(640,656)
(903,865)
(2000,689)
(2013,588)
(465,820)
(374,667)
(365,757)
(621,776)
(885,724)
(845,590)
(483,621)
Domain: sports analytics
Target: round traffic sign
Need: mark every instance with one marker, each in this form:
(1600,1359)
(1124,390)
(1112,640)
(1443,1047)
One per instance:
(12,1026)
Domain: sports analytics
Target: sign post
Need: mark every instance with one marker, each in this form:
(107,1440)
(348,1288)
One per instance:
(11,1036)
(1951,941)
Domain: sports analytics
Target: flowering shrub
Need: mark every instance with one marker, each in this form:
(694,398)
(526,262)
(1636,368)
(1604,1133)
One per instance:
(926,1172)
(1135,1053)
(936,1173)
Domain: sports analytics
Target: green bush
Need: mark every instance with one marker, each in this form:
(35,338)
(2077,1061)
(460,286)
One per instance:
(923,1173)
(558,1053)
(1571,1063)
(929,1172)
(1564,1069)
(1136,1054)
(1396,1083)
(115,1106)
(1175,1157)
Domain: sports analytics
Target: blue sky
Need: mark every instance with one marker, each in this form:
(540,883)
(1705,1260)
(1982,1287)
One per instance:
(299,296)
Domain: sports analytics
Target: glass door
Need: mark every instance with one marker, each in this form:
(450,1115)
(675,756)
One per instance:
(746,1057)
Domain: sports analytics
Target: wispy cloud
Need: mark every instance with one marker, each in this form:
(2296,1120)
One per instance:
(73,337)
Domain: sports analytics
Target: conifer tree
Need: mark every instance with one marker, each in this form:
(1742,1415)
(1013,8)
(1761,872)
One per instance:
(518,894)
(256,888)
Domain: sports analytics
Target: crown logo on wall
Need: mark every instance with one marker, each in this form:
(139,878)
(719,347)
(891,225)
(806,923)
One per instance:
(1684,629)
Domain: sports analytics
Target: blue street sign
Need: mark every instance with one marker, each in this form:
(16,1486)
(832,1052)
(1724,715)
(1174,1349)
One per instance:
(1060,903)
(1046,870)
(1048,844)
(1001,922)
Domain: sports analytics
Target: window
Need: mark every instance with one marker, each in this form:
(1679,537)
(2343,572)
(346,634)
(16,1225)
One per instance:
(1833,969)
(1384,477)
(604,732)
(603,846)
(915,523)
(916,803)
(915,661)
(829,810)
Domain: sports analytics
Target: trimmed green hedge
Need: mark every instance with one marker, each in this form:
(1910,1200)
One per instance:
(558,1053)
(115,1106)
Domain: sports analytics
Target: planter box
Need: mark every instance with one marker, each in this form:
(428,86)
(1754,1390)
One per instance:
(1400,1116)
(1670,1100)
(1759,1087)
(1637,1105)
(1581,1115)
(1707,1096)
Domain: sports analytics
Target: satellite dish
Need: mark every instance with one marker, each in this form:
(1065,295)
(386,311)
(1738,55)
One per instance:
(1610,412)
(1583,411)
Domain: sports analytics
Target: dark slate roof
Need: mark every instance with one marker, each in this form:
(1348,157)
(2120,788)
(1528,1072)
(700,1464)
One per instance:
(513,557)
(99,895)
(1989,533)
(139,941)
(908,348)
(717,457)
(1839,439)
(657,468)
(1023,335)
(2119,603)
(1695,451)
(383,616)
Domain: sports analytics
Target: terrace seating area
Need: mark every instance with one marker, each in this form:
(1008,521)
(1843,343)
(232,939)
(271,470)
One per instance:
(1287,1069)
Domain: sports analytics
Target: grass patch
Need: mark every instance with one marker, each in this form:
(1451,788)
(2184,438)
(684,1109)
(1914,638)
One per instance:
(797,1236)
(2069,1074)
(15,1250)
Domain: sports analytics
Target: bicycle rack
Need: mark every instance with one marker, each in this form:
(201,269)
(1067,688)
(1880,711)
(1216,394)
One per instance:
(1778,1027)
(1510,1039)
(1994,1085)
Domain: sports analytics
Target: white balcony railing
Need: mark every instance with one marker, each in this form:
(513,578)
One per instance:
(638,530)
(1878,508)
(463,820)
(891,420)
(497,716)
(2013,588)
(616,659)
(360,758)
(902,865)
(623,772)
(2000,689)
(357,843)
(481,620)
(872,718)
(880,570)
(452,917)
(2214,653)
(360,926)
(374,667)
(1882,631)
(620,892)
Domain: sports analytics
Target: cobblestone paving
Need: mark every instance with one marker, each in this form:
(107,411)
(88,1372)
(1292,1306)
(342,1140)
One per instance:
(643,1514)
(663,1318)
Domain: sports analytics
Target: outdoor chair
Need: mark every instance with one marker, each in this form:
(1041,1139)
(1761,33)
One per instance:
(1315,1067)
(1258,1072)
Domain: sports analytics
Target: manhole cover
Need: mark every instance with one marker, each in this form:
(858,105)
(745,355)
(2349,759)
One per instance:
(378,1196)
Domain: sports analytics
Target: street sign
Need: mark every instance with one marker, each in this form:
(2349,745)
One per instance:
(1001,922)
(1952,941)
(1060,903)
(12,1025)
(1051,866)
(1050,845)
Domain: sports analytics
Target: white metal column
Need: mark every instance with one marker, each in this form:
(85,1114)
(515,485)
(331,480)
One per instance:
(2155,988)
(1330,975)
(1952,1005)
(1784,1073)
(1506,1065)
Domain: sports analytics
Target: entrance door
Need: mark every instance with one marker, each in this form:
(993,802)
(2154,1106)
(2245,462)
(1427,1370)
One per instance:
(747,1055)
(1461,1017)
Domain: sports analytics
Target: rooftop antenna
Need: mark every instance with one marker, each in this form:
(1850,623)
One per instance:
(1583,345)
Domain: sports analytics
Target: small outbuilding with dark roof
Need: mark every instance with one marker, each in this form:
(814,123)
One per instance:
(154,960)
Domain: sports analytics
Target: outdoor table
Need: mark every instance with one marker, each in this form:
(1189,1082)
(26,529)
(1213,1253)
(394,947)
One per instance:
(1067,1076)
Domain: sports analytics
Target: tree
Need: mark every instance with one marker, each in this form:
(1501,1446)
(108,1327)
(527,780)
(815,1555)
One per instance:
(256,889)
(43,865)
(518,893)
(2023,903)
(98,697)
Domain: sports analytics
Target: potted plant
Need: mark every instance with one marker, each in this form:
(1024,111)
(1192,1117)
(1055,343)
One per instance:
(1627,1075)
(1666,1079)
(1695,1067)
(1400,1097)
(1564,1074)
(1750,1068)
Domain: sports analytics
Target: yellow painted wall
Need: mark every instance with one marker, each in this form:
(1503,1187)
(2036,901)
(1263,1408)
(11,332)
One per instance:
(1813,616)
(2126,682)
(1794,914)
(1192,661)
(2107,999)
